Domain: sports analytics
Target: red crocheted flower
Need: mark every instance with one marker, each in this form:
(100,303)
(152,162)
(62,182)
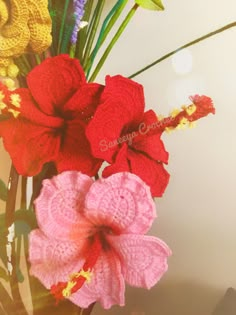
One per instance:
(53,113)
(117,134)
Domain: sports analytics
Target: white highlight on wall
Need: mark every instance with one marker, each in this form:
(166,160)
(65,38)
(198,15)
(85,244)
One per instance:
(182,61)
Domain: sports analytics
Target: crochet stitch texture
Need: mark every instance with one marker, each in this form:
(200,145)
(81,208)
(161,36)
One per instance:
(25,25)
(72,211)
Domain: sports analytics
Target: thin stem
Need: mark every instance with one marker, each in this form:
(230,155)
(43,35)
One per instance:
(98,12)
(107,25)
(113,41)
(222,29)
(62,25)
(10,211)
(23,192)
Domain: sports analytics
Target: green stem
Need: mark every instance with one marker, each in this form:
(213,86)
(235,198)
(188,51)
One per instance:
(222,29)
(107,25)
(113,41)
(62,25)
(94,27)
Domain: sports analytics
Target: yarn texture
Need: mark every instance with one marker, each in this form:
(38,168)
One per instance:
(72,211)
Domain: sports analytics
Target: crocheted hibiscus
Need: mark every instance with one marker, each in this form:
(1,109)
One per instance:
(114,135)
(128,138)
(49,118)
(91,238)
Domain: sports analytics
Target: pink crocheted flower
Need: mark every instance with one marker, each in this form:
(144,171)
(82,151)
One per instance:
(95,230)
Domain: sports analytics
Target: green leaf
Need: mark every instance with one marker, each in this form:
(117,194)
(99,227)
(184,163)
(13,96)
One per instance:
(151,4)
(3,191)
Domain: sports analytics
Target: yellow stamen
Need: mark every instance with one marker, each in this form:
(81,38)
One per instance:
(192,124)
(67,291)
(15,100)
(175,112)
(191,109)
(169,129)
(2,105)
(10,84)
(183,123)
(86,274)
(1,96)
(15,113)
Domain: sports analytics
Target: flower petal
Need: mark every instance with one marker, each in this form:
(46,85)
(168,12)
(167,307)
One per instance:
(143,258)
(148,140)
(28,109)
(122,201)
(122,104)
(121,163)
(54,81)
(53,261)
(75,153)
(60,205)
(84,102)
(150,171)
(29,151)
(107,284)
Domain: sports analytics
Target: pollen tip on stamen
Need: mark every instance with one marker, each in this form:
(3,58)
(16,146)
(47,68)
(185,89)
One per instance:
(174,112)
(15,99)
(9,83)
(15,113)
(191,109)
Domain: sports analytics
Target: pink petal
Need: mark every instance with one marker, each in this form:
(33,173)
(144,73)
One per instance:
(60,205)
(122,201)
(107,285)
(143,258)
(53,261)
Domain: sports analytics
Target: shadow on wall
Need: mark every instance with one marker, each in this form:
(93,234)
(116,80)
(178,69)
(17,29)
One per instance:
(179,298)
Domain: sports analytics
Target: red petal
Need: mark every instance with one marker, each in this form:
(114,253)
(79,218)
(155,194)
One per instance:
(204,106)
(28,109)
(30,146)
(122,105)
(54,81)
(75,153)
(121,163)
(148,141)
(84,102)
(150,171)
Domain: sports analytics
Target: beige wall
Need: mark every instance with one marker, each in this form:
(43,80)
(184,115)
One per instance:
(197,215)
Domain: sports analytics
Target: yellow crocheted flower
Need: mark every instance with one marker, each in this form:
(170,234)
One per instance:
(25,26)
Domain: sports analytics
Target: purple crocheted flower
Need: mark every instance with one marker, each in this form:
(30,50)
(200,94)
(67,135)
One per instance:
(79,13)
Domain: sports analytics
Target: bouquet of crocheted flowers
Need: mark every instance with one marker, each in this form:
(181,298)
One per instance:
(92,154)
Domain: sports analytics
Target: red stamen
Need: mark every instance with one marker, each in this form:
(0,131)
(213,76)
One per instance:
(78,279)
